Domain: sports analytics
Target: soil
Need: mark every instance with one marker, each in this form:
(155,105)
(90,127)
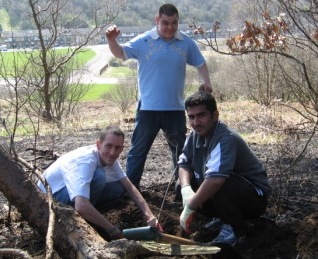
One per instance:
(288,229)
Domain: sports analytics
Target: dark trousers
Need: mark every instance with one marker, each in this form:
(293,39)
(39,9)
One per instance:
(236,202)
(147,126)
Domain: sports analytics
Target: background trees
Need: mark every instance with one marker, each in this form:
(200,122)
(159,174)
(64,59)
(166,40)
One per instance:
(277,46)
(134,13)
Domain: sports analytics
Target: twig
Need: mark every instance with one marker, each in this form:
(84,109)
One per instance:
(166,192)
(305,147)
(51,223)
(169,184)
(16,252)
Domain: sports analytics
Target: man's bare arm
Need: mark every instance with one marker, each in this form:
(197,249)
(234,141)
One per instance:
(205,77)
(91,214)
(111,35)
(139,200)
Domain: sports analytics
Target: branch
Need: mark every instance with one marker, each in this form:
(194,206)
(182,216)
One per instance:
(51,224)
(14,252)
(304,149)
(296,23)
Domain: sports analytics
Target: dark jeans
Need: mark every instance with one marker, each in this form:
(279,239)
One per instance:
(236,202)
(100,191)
(147,126)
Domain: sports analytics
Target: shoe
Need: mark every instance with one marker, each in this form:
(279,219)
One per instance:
(227,236)
(215,225)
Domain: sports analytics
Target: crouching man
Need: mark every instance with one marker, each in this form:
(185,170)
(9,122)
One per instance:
(219,174)
(92,174)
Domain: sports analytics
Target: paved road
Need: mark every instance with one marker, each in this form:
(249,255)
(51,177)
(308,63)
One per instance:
(94,67)
(91,73)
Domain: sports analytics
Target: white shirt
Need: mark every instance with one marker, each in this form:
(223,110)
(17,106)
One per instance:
(75,170)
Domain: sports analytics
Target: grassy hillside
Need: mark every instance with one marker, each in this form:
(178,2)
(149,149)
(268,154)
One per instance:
(140,12)
(135,13)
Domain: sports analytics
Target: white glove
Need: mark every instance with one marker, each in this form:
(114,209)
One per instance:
(186,219)
(187,194)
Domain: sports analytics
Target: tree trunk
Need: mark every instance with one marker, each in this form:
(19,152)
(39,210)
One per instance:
(73,237)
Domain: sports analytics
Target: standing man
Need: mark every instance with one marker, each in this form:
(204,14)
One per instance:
(162,54)
(92,174)
(219,174)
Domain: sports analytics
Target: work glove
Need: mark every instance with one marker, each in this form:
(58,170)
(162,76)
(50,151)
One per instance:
(186,219)
(187,193)
(155,223)
(115,233)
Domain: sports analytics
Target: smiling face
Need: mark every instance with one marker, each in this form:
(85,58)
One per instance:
(110,148)
(201,119)
(167,25)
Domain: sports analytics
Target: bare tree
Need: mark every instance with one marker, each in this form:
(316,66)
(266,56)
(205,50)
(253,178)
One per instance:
(122,95)
(261,77)
(284,36)
(125,94)
(293,36)
(49,73)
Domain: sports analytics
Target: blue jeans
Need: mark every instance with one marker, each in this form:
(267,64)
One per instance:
(147,126)
(100,191)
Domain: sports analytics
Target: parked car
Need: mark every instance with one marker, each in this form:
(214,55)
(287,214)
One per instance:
(4,48)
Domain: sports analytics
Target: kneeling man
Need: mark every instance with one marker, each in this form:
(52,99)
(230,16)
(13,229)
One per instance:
(92,174)
(219,174)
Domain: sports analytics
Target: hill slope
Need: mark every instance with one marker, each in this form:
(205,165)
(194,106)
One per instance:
(135,13)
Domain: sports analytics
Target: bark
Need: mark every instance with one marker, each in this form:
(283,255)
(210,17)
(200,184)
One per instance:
(73,236)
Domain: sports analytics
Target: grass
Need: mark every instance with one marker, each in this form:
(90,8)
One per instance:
(85,56)
(118,72)
(258,124)
(96,92)
(262,137)
(13,59)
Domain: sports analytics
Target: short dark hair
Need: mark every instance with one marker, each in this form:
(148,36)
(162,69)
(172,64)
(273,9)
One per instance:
(111,129)
(201,98)
(169,10)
